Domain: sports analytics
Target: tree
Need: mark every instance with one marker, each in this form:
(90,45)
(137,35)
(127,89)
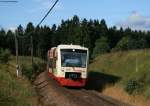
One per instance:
(85,34)
(4,55)
(114,36)
(76,31)
(10,41)
(20,30)
(123,44)
(2,38)
(93,34)
(29,31)
(128,43)
(103,28)
(29,27)
(101,46)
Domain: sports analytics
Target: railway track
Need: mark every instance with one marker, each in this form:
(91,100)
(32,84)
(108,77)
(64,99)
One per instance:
(52,94)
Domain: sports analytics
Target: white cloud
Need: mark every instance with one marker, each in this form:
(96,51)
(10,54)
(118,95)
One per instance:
(10,28)
(13,28)
(136,21)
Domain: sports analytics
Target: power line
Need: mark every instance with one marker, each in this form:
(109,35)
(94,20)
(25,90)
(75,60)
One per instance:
(9,1)
(48,12)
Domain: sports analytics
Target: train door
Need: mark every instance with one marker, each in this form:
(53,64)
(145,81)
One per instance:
(54,60)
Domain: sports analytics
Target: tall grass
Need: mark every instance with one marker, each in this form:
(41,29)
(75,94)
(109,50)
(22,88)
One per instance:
(31,70)
(15,91)
(132,66)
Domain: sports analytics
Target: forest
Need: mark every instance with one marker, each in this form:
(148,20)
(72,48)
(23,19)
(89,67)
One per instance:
(93,33)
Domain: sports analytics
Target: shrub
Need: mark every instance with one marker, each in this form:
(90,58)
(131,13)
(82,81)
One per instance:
(12,91)
(31,72)
(101,46)
(4,55)
(27,71)
(38,67)
(147,93)
(133,86)
(6,98)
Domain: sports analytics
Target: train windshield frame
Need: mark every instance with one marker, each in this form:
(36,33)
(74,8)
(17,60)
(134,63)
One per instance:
(73,58)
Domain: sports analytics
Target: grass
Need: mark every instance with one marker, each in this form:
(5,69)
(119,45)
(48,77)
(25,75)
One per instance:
(129,66)
(16,91)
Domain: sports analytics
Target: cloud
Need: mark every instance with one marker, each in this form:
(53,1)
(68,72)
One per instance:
(136,21)
(13,28)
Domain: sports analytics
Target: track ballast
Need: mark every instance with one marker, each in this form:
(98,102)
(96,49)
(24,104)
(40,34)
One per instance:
(52,94)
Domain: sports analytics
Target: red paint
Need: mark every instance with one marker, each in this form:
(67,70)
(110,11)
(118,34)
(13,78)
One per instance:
(69,82)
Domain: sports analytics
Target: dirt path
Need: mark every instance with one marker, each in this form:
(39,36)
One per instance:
(52,94)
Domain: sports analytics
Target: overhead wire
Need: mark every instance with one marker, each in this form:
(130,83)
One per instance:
(48,12)
(9,1)
(24,37)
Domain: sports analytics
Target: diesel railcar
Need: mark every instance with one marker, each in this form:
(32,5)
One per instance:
(67,64)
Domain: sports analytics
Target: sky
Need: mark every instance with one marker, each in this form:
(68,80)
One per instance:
(121,13)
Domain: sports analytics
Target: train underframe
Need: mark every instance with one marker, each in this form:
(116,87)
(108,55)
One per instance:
(63,81)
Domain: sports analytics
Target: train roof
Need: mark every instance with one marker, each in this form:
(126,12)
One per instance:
(71,47)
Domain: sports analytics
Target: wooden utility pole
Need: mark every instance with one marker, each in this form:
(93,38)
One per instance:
(31,50)
(16,46)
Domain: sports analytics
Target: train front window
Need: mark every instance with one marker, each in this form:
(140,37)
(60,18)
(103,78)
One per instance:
(73,58)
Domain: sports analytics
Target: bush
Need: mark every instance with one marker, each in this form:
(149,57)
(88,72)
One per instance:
(128,43)
(38,67)
(27,71)
(101,46)
(133,87)
(12,91)
(31,72)
(4,55)
(6,98)
(147,93)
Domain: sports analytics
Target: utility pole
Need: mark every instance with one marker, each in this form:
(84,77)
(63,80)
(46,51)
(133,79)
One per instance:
(31,50)
(136,64)
(16,46)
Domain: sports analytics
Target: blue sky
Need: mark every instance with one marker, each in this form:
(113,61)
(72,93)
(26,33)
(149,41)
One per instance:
(125,13)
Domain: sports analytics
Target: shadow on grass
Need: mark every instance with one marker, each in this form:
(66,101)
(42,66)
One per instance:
(98,81)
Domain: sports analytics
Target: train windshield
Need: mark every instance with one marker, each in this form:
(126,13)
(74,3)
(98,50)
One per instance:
(73,58)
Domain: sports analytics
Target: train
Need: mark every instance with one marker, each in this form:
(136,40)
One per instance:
(67,64)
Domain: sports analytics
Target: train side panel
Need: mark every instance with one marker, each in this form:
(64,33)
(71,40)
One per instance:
(66,76)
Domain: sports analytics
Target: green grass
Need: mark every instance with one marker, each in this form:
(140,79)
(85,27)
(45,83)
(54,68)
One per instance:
(16,91)
(129,66)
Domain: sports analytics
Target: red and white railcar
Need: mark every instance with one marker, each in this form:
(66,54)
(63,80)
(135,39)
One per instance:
(68,64)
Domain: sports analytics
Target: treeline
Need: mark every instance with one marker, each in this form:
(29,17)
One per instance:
(93,34)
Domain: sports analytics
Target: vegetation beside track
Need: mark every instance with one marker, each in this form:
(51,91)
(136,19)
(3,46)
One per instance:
(132,67)
(17,91)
